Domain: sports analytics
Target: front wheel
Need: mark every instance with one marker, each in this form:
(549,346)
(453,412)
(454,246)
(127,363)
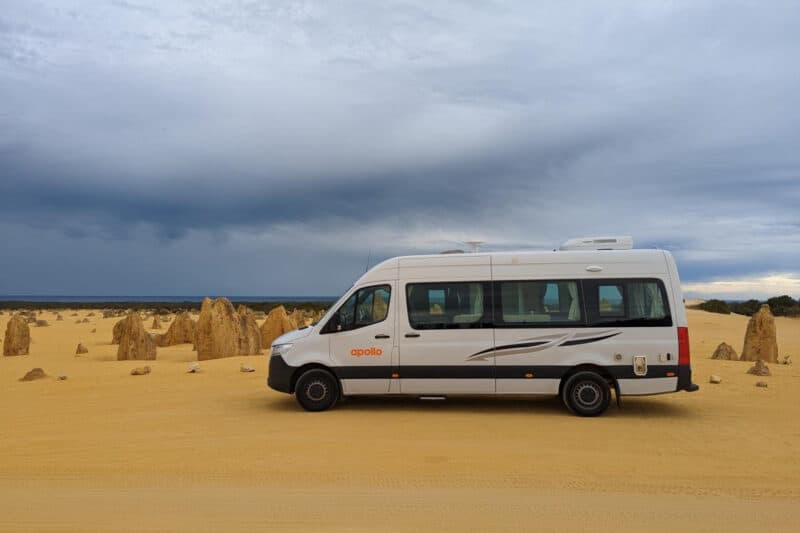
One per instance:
(586,394)
(317,390)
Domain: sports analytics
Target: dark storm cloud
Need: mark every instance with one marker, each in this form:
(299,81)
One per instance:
(406,126)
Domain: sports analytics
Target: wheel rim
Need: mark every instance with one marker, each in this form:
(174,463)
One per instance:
(587,395)
(316,391)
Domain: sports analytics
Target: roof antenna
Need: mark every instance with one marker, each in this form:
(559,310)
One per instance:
(369,256)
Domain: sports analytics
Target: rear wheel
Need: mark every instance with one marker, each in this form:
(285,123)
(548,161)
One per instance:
(586,394)
(317,390)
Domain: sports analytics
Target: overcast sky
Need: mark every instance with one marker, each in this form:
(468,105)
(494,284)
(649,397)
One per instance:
(268,148)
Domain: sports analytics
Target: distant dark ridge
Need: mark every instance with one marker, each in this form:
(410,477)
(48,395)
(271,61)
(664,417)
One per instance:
(164,307)
(780,306)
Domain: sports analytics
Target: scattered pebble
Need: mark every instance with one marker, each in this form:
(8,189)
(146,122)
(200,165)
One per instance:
(715,379)
(762,384)
(245,368)
(140,371)
(62,377)
(81,349)
(194,368)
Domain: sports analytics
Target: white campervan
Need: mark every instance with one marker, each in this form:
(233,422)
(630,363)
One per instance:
(594,316)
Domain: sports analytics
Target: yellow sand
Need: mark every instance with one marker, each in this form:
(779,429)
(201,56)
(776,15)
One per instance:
(218,451)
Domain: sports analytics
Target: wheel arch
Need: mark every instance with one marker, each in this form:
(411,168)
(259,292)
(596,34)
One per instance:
(597,369)
(310,366)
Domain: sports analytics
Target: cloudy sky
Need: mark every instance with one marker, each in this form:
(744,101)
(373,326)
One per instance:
(269,148)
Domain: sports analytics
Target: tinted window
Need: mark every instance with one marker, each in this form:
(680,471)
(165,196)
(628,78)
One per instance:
(523,303)
(447,305)
(629,302)
(364,307)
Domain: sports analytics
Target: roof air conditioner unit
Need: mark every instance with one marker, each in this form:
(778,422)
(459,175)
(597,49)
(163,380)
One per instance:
(598,243)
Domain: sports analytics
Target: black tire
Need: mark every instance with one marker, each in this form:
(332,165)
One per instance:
(586,393)
(316,390)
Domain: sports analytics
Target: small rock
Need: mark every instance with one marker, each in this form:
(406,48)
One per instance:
(34,374)
(245,368)
(85,321)
(140,371)
(715,379)
(759,369)
(762,384)
(94,330)
(42,323)
(194,368)
(81,349)
(787,360)
(59,318)
(62,377)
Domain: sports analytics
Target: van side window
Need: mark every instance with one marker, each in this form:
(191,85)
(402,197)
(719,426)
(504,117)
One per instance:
(627,302)
(364,307)
(448,305)
(529,303)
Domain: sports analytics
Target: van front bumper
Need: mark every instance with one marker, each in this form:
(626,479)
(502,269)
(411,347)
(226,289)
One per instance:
(685,379)
(280,374)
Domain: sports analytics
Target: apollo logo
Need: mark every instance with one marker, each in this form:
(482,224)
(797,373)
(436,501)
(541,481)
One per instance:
(366,352)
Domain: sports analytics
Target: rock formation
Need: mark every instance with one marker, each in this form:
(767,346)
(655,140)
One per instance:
(116,335)
(181,331)
(222,332)
(18,337)
(81,349)
(135,342)
(250,335)
(277,323)
(760,340)
(34,374)
(759,369)
(59,318)
(156,322)
(42,323)
(725,352)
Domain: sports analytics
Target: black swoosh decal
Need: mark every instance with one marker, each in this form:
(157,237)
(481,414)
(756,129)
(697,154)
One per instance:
(575,342)
(511,346)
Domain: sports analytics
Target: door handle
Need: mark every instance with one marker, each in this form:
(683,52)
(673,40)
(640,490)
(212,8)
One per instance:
(381,336)
(412,335)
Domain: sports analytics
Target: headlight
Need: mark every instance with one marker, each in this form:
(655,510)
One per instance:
(279,349)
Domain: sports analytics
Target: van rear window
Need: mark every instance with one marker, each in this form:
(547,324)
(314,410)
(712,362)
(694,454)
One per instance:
(627,302)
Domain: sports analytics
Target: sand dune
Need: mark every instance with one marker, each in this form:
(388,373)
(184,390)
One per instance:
(218,451)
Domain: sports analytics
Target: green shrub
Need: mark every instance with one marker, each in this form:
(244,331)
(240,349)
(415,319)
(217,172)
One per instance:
(714,306)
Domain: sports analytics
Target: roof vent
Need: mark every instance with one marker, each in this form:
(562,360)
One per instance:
(598,243)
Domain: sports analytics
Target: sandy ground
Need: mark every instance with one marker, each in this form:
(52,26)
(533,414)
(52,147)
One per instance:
(218,451)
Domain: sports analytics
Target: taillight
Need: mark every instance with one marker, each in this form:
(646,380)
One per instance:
(683,347)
